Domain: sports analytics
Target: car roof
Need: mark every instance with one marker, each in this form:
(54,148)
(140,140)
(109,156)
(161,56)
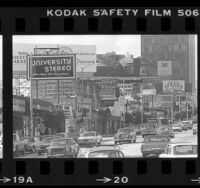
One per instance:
(65,138)
(182,143)
(156,135)
(89,132)
(100,148)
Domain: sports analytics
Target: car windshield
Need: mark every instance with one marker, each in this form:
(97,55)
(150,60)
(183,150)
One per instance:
(62,142)
(185,149)
(125,131)
(156,139)
(88,134)
(60,134)
(103,154)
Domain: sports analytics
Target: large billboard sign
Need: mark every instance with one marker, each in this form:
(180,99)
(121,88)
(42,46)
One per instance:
(173,86)
(149,92)
(52,67)
(85,55)
(164,68)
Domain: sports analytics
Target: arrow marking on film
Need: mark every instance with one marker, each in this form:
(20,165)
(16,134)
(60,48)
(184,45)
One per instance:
(196,180)
(5,179)
(104,180)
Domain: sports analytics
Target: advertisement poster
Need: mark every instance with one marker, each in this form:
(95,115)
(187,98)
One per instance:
(173,86)
(164,68)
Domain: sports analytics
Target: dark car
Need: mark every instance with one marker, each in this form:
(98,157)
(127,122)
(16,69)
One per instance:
(62,147)
(125,135)
(149,129)
(154,144)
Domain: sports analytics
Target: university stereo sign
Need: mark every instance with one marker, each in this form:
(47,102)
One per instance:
(52,67)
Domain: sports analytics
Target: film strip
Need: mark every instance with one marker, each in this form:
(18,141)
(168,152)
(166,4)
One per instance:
(55,23)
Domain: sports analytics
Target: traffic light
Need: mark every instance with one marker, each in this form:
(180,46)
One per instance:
(117,92)
(107,112)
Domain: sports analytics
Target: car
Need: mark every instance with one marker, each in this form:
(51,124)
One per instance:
(176,127)
(61,135)
(41,146)
(154,144)
(73,135)
(106,151)
(19,145)
(89,138)
(194,129)
(180,150)
(62,147)
(187,125)
(167,130)
(149,129)
(125,135)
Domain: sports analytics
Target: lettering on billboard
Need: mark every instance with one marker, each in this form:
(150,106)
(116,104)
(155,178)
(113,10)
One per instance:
(164,68)
(173,86)
(52,67)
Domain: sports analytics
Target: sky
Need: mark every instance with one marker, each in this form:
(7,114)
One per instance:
(121,44)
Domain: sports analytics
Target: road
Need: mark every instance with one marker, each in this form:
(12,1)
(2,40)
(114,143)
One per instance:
(133,150)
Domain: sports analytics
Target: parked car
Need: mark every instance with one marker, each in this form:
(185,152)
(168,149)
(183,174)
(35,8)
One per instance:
(43,144)
(154,144)
(90,138)
(19,145)
(180,150)
(102,152)
(177,127)
(194,129)
(62,147)
(125,135)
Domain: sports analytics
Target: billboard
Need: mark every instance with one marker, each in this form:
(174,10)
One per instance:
(52,67)
(85,55)
(148,91)
(173,86)
(164,68)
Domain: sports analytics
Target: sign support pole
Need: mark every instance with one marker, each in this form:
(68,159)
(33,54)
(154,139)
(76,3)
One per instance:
(31,101)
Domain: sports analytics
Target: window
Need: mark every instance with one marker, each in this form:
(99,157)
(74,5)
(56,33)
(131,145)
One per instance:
(168,150)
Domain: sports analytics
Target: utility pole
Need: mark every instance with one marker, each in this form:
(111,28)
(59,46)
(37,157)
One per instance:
(31,102)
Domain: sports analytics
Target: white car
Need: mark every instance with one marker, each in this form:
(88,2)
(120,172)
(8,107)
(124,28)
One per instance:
(176,128)
(90,138)
(180,150)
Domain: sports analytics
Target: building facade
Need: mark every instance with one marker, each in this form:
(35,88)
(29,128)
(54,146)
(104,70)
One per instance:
(173,56)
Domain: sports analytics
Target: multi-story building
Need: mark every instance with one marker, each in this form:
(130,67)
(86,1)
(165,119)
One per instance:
(171,57)
(175,52)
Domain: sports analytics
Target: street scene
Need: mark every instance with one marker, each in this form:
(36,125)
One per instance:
(105,96)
